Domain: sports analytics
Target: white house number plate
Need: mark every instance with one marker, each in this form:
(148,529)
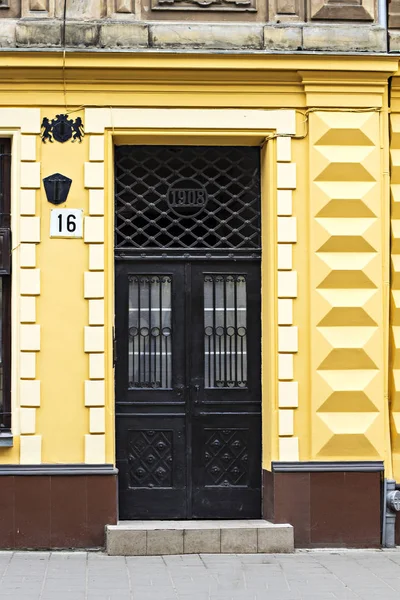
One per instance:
(66,223)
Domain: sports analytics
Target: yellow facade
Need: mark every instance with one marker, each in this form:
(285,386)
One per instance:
(323,124)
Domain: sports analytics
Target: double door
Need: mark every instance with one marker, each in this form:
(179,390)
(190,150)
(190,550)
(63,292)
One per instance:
(188,397)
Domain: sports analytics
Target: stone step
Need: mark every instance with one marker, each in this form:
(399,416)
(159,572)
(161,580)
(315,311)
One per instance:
(154,538)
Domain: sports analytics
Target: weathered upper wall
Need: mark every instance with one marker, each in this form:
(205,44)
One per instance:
(273,25)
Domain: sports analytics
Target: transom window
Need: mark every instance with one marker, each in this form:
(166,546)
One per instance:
(187,197)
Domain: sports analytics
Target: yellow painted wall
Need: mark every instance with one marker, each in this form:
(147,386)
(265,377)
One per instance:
(62,365)
(340,252)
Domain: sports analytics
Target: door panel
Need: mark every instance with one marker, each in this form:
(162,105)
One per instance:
(150,391)
(152,470)
(226,466)
(225,382)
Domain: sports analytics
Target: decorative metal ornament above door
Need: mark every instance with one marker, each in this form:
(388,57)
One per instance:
(62,129)
(187,197)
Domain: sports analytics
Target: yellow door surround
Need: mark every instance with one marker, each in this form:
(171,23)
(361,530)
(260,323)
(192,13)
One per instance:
(106,127)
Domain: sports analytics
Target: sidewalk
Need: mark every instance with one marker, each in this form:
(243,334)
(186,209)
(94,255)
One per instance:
(324,575)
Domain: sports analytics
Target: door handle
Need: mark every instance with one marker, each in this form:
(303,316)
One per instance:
(197,390)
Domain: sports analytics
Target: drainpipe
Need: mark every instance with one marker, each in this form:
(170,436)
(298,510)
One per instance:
(391,508)
(382,13)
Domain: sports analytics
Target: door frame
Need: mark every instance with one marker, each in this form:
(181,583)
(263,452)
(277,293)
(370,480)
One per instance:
(221,127)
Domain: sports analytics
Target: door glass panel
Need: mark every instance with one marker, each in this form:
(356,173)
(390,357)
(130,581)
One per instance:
(150,331)
(225,331)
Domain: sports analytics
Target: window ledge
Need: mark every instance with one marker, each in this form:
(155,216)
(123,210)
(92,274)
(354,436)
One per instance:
(6,439)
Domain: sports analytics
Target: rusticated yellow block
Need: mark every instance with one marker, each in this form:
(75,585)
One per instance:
(395,272)
(28,202)
(287,229)
(94,229)
(27,312)
(285,311)
(30,175)
(94,175)
(287,284)
(30,282)
(28,147)
(284,203)
(288,394)
(96,366)
(286,176)
(27,255)
(30,229)
(97,420)
(286,420)
(27,365)
(283,149)
(93,284)
(96,312)
(285,366)
(96,148)
(347,331)
(95,449)
(288,449)
(395,201)
(285,259)
(30,449)
(395,430)
(287,339)
(94,339)
(30,337)
(96,257)
(96,202)
(94,393)
(29,390)
(27,420)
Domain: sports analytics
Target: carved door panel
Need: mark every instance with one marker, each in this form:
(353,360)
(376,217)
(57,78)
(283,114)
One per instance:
(188,390)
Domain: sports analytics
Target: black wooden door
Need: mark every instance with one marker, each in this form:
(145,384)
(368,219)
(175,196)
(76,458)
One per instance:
(188,394)
(150,391)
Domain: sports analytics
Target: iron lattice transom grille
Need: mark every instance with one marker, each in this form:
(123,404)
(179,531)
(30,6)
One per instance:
(187,197)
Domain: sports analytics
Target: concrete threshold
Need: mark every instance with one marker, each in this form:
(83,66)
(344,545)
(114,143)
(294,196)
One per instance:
(155,538)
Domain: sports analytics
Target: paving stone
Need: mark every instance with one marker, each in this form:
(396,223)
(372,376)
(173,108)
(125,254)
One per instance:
(302,576)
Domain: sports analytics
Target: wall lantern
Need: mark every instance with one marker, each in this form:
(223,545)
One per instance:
(57,187)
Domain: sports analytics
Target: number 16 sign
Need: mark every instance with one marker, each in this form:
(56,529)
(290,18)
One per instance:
(66,223)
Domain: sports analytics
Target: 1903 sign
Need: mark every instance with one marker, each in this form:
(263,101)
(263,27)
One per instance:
(187,197)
